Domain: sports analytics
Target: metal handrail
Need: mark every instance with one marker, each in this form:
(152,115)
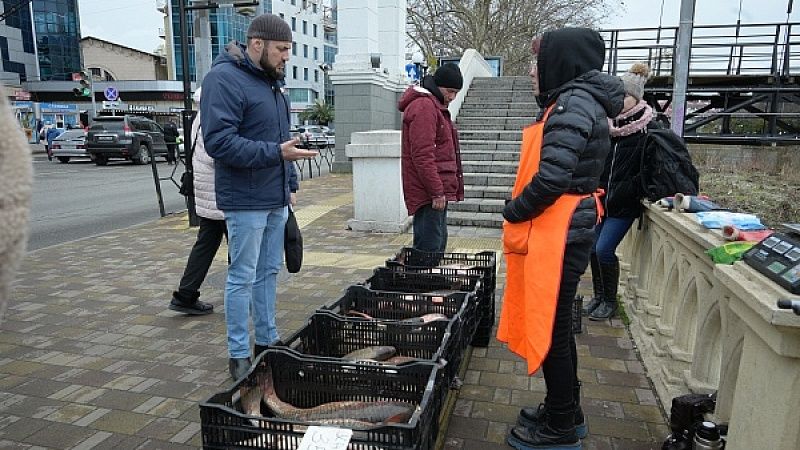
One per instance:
(738,49)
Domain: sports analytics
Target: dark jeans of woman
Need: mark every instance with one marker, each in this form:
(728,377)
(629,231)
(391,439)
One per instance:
(209,238)
(609,234)
(430,229)
(560,367)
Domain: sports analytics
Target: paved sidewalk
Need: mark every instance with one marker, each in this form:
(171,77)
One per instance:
(91,358)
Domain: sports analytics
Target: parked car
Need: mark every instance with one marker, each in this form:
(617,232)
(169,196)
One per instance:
(126,137)
(70,144)
(313,136)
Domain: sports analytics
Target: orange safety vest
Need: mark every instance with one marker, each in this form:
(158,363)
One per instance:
(534,252)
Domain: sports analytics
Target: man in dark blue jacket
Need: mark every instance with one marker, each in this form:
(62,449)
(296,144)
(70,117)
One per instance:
(245,122)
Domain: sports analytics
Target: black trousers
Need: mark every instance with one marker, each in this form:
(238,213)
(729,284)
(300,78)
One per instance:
(209,238)
(171,149)
(430,229)
(560,366)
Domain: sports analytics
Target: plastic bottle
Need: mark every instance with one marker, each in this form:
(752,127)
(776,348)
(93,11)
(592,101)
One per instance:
(706,437)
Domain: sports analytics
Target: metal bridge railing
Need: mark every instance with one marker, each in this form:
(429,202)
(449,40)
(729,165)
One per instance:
(767,49)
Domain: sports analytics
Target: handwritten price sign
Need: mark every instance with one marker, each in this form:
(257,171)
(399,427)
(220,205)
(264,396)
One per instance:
(326,438)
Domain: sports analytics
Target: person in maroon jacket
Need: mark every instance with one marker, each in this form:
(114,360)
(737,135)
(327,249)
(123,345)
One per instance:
(431,159)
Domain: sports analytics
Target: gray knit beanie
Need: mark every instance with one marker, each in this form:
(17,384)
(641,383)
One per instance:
(270,27)
(635,79)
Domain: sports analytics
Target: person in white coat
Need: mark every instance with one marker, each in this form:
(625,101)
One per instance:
(16,178)
(209,236)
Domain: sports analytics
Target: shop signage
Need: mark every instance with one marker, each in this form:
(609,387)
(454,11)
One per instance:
(112,105)
(22,105)
(141,108)
(22,95)
(58,107)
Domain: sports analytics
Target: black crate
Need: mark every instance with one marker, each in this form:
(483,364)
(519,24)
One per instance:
(331,335)
(388,305)
(483,264)
(310,381)
(390,279)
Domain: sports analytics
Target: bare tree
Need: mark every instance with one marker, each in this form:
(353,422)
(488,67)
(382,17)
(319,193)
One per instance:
(496,27)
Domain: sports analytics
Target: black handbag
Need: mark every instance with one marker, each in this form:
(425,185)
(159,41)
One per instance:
(292,244)
(186,187)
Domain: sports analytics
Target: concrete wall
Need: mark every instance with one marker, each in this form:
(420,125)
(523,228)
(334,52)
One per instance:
(364,104)
(702,327)
(122,62)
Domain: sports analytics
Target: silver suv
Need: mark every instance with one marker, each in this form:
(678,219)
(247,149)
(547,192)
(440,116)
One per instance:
(126,137)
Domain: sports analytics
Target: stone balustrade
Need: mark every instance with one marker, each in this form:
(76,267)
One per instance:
(702,327)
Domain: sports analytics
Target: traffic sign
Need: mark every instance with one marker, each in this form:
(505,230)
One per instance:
(113,105)
(111,93)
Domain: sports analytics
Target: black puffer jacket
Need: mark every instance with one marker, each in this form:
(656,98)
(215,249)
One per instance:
(576,137)
(620,177)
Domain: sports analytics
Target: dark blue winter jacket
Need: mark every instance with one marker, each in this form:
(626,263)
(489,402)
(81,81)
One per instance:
(245,117)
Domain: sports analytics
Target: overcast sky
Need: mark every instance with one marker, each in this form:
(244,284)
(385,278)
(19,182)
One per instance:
(135,23)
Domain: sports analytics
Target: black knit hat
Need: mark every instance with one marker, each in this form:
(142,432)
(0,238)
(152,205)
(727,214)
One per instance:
(270,28)
(448,76)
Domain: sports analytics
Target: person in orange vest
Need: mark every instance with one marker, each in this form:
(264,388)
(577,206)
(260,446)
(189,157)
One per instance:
(549,225)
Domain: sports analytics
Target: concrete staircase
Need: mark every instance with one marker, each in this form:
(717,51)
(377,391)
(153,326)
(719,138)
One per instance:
(490,126)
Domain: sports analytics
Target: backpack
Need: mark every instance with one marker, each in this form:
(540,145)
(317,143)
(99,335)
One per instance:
(666,166)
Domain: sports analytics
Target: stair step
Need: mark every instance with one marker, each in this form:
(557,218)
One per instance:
(495,104)
(498,192)
(491,155)
(489,179)
(500,122)
(478,205)
(499,135)
(483,112)
(489,146)
(490,167)
(470,219)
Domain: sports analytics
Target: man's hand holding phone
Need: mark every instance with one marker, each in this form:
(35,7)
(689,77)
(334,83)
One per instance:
(290,152)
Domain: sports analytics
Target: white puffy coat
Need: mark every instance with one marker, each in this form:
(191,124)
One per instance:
(205,197)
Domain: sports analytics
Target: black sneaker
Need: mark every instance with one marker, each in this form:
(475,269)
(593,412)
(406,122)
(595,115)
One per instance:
(605,311)
(195,308)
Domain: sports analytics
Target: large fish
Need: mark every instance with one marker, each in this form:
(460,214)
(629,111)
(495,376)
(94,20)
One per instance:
(373,353)
(352,414)
(426,318)
(250,397)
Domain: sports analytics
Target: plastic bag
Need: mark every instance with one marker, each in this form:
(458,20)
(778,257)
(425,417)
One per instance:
(730,252)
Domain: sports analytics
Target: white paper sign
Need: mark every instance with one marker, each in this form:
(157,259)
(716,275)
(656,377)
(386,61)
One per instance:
(326,438)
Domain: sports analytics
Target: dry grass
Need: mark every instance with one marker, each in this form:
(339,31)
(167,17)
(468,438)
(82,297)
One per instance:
(756,185)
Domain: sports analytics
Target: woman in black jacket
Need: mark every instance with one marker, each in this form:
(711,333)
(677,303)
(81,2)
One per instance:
(622,199)
(549,229)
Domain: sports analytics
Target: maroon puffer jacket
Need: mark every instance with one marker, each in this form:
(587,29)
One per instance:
(431,159)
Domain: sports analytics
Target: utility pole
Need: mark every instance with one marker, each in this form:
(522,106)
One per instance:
(681,65)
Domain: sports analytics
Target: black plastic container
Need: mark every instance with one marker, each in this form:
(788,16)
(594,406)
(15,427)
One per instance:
(482,263)
(460,307)
(310,381)
(327,334)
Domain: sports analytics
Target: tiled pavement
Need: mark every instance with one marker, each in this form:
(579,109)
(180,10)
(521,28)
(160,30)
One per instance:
(91,358)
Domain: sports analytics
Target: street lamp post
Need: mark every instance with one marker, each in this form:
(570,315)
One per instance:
(417,59)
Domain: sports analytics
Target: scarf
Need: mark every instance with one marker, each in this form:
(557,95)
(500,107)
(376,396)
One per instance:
(631,121)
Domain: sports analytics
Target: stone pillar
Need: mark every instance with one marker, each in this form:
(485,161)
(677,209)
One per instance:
(366,97)
(391,36)
(377,183)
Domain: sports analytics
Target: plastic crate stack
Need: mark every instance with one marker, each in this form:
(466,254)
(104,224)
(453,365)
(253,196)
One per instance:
(315,366)
(483,264)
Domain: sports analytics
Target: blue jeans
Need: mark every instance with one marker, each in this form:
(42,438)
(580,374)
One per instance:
(430,229)
(255,240)
(609,234)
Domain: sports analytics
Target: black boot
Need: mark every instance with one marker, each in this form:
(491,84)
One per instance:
(597,287)
(536,417)
(238,367)
(558,432)
(609,307)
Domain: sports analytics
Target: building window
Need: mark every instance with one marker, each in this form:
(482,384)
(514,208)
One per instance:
(305,73)
(316,76)
(294,72)
(294,2)
(294,48)
(96,73)
(314,9)
(316,54)
(294,24)
(305,50)
(314,27)
(305,27)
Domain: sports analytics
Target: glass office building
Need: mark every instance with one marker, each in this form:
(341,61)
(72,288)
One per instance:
(58,35)
(226,25)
